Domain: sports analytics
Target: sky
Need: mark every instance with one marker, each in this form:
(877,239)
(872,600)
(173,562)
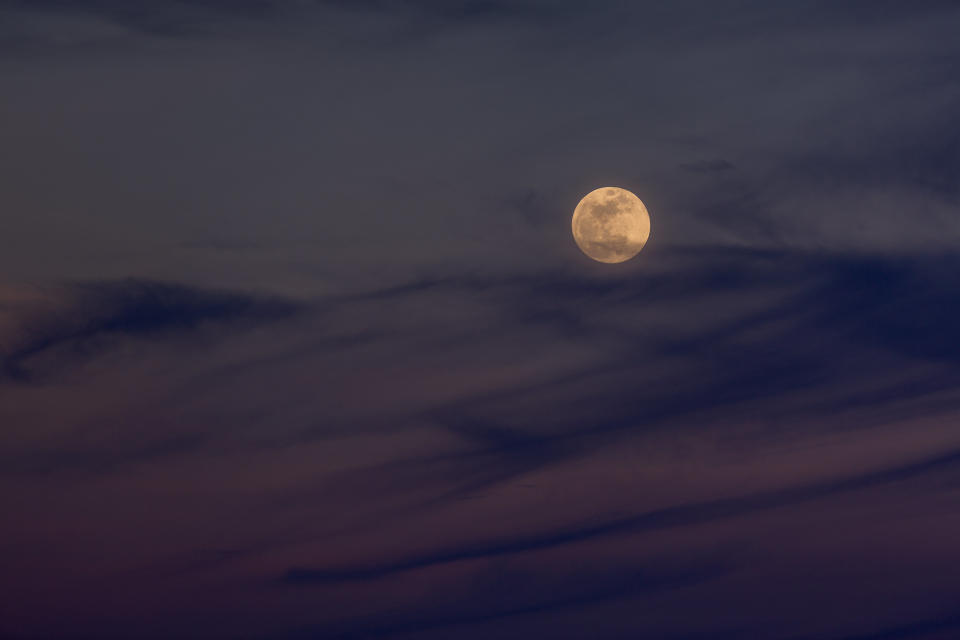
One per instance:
(295,341)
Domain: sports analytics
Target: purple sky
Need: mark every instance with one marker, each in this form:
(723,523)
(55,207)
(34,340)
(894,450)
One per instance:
(295,342)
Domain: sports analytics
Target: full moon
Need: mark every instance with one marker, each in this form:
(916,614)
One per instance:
(611,224)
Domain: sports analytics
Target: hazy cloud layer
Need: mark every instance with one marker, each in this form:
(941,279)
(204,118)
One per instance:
(462,426)
(281,150)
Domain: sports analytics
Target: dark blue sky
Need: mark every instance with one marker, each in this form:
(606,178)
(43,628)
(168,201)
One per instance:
(295,342)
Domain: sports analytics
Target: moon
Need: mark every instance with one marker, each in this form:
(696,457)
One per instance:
(611,225)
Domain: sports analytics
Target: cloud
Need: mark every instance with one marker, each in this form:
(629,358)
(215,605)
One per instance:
(772,381)
(472,417)
(85,319)
(195,18)
(674,516)
(845,146)
(157,17)
(822,333)
(521,594)
(916,629)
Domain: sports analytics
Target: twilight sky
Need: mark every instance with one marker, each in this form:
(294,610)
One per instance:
(295,342)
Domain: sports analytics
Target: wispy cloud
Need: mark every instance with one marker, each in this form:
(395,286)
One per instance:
(548,593)
(81,320)
(676,516)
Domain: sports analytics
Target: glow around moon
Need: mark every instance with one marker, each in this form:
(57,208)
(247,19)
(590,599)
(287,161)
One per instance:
(611,224)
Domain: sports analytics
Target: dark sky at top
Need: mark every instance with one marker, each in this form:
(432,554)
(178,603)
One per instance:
(295,342)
